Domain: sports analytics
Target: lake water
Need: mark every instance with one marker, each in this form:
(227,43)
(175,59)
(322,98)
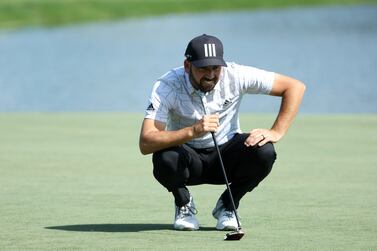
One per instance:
(112,66)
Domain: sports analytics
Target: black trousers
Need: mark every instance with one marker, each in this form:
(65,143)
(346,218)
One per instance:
(178,167)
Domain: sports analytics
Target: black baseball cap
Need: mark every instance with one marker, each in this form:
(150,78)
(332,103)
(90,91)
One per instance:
(205,50)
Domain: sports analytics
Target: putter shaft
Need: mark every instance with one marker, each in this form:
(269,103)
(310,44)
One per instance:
(226,180)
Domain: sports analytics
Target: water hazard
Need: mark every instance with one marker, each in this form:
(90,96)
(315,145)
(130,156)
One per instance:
(112,66)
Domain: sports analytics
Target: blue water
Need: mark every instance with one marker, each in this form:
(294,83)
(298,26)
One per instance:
(112,66)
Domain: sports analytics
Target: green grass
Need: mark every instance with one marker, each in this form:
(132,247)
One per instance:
(76,181)
(21,13)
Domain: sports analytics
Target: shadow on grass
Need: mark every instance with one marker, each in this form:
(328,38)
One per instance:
(119,227)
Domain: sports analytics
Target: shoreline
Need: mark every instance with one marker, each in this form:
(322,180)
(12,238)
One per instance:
(31,13)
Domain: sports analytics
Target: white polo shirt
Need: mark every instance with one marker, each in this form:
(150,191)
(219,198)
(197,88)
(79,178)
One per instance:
(175,102)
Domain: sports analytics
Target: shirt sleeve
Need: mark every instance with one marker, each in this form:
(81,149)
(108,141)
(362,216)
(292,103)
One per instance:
(159,102)
(255,81)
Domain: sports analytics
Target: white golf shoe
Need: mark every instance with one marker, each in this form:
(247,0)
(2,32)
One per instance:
(185,217)
(226,219)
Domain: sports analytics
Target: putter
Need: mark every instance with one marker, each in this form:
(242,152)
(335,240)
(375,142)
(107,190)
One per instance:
(238,233)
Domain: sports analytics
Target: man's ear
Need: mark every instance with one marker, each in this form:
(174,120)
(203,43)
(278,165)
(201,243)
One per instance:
(187,65)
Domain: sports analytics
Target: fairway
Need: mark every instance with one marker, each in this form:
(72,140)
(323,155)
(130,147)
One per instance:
(76,181)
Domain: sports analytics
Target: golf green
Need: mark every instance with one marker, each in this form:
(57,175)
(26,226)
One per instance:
(76,181)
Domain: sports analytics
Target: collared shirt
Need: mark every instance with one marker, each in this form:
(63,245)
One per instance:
(177,103)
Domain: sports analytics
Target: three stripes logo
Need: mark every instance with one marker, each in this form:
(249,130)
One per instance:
(209,50)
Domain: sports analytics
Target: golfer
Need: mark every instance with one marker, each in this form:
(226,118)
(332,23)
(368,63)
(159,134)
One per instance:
(203,96)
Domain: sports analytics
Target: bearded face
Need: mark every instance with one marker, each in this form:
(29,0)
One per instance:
(204,78)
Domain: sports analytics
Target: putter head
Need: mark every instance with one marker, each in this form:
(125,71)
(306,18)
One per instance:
(235,235)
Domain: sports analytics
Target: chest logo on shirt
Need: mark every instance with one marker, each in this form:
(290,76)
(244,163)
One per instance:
(226,103)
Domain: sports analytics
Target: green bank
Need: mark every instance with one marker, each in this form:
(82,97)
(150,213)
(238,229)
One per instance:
(21,13)
(76,181)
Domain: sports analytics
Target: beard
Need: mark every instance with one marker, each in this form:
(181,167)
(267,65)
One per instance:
(204,84)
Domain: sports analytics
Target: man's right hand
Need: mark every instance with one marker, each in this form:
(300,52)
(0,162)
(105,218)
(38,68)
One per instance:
(208,123)
(154,137)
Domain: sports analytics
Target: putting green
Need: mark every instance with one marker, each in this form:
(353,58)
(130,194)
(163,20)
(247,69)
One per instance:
(76,181)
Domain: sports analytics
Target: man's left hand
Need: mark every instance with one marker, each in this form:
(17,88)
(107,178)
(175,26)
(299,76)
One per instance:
(262,136)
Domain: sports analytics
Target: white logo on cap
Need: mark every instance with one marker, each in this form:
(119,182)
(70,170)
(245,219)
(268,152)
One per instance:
(209,50)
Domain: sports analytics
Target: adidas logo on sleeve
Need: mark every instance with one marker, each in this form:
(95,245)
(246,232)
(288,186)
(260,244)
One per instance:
(150,107)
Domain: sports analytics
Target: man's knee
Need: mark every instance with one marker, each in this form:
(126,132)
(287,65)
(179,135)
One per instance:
(169,166)
(165,161)
(165,157)
(266,153)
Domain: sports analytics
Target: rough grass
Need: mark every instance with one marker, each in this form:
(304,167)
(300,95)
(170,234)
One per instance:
(21,13)
(76,181)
